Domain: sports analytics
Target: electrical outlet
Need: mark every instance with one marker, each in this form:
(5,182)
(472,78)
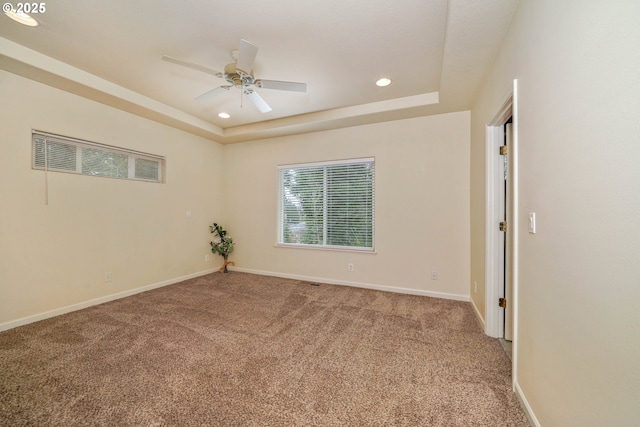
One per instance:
(207,258)
(434,275)
(475,286)
(350,267)
(107,276)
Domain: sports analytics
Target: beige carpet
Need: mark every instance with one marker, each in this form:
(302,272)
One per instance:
(246,350)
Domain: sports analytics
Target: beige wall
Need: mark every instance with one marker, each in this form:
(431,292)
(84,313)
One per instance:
(579,101)
(55,256)
(577,62)
(422,204)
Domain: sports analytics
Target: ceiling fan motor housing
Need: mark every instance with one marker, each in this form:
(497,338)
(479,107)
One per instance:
(236,76)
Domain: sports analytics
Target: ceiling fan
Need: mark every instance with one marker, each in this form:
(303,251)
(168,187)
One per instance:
(239,74)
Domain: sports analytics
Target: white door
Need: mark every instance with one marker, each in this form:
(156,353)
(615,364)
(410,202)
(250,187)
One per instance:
(508,236)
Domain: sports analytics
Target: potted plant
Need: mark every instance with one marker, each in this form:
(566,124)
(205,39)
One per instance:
(223,245)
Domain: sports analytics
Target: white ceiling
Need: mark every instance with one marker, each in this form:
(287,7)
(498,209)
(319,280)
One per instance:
(436,51)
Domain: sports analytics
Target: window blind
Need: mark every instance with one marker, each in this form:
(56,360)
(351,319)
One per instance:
(328,204)
(63,154)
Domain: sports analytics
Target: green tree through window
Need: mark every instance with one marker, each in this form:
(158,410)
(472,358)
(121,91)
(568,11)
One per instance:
(64,154)
(328,204)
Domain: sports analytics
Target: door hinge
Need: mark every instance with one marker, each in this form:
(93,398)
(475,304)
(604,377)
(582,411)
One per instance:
(504,150)
(502,302)
(503,226)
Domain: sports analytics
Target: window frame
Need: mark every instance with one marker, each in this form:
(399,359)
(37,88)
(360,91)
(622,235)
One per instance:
(80,144)
(323,164)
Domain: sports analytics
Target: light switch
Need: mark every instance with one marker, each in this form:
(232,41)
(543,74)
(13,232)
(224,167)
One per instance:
(532,222)
(189,214)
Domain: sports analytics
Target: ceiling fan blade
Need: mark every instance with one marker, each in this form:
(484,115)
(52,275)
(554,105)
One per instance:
(211,93)
(257,100)
(190,65)
(279,85)
(246,56)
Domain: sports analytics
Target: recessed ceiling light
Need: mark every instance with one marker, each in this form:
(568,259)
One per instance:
(383,82)
(20,17)
(224,115)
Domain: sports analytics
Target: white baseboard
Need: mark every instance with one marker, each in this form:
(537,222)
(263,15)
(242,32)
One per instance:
(525,405)
(79,306)
(409,291)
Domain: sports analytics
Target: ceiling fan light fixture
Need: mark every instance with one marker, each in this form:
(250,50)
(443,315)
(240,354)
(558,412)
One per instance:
(385,81)
(224,115)
(21,17)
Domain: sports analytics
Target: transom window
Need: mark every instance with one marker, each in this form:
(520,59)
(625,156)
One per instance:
(329,204)
(64,154)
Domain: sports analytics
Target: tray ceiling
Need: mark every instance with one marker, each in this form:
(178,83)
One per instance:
(436,52)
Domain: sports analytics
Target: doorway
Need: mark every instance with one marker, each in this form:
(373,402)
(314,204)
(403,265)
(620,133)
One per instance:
(501,228)
(506,301)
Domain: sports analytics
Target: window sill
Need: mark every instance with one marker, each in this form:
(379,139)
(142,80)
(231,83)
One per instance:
(326,248)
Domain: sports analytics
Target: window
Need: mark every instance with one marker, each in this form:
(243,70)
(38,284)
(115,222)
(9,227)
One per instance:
(327,204)
(65,154)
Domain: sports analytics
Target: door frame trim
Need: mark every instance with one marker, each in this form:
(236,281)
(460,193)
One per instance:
(494,134)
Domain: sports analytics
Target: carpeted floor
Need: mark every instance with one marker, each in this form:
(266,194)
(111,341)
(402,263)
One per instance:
(246,350)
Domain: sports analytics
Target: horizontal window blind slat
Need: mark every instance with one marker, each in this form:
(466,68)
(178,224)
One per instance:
(59,155)
(147,169)
(75,141)
(332,163)
(328,204)
(87,158)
